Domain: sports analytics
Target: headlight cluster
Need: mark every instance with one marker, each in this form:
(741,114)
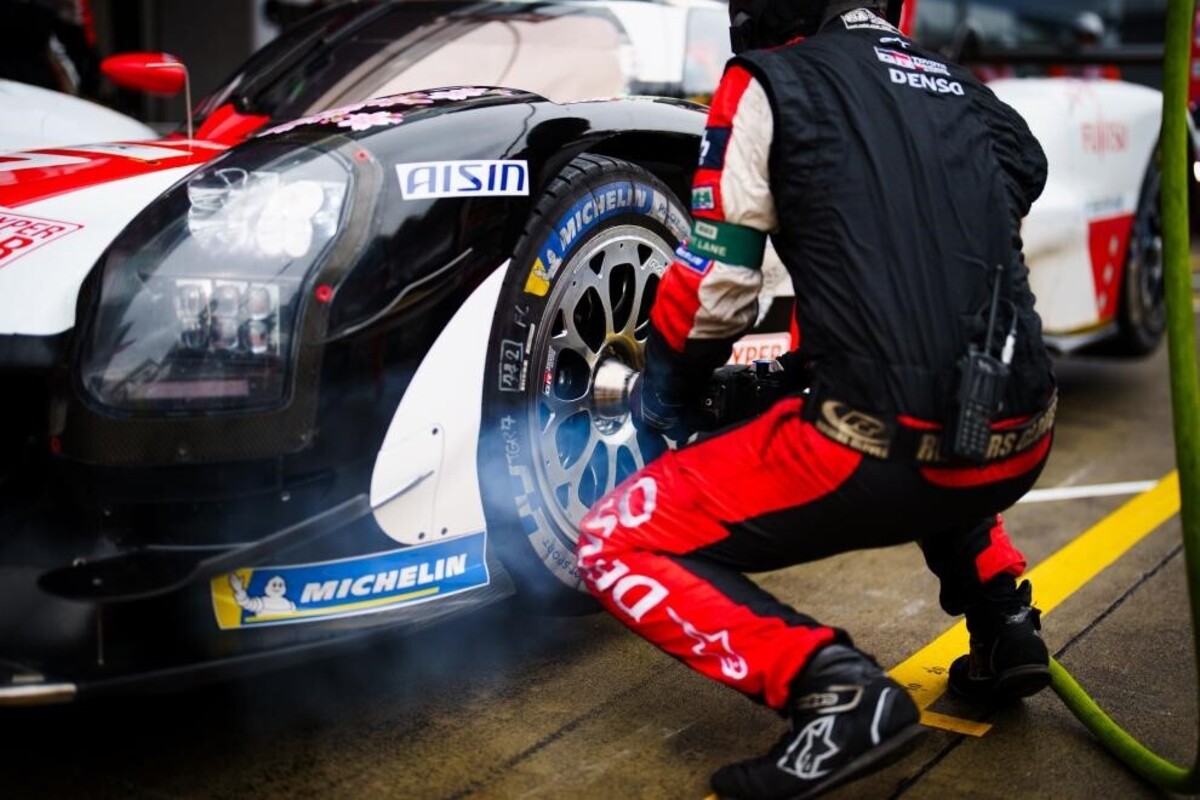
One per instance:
(228,316)
(200,297)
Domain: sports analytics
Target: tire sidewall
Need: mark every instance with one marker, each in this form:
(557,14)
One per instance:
(1140,332)
(539,555)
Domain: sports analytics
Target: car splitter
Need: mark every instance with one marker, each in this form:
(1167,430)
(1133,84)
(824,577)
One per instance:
(218,611)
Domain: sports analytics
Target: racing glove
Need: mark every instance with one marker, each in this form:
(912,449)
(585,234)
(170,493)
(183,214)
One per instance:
(655,414)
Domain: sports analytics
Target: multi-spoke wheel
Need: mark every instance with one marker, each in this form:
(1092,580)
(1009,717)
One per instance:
(569,334)
(596,326)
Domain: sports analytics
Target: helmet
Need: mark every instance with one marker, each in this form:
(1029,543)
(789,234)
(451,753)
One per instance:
(1088,28)
(767,23)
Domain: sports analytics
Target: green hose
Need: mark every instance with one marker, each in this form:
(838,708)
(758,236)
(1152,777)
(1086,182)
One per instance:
(1185,396)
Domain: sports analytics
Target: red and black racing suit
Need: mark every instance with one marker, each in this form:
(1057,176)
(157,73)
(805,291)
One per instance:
(892,185)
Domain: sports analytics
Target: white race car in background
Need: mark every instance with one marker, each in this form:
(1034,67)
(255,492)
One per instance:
(31,116)
(1083,74)
(677,47)
(1093,241)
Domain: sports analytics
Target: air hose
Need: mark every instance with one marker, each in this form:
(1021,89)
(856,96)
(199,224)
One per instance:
(1185,396)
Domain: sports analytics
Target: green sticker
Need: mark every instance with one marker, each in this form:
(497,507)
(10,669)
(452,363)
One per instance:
(727,243)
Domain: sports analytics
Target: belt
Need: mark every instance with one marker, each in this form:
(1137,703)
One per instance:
(889,437)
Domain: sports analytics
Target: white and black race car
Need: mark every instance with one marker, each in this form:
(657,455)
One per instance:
(244,387)
(343,378)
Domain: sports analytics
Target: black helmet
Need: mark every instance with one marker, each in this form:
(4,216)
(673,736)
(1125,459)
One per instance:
(767,23)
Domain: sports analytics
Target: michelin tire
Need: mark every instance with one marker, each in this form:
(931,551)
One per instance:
(576,296)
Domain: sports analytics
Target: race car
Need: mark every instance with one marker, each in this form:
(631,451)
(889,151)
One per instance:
(60,207)
(343,378)
(335,58)
(1084,74)
(1093,241)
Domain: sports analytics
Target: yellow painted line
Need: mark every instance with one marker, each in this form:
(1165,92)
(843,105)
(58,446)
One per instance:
(1054,580)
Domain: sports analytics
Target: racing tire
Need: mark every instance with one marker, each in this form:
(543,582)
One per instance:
(575,301)
(1142,314)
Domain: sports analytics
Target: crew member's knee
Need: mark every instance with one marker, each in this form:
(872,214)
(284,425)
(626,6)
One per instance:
(588,549)
(602,530)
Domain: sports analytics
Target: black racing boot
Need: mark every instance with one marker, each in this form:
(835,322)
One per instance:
(846,718)
(1008,659)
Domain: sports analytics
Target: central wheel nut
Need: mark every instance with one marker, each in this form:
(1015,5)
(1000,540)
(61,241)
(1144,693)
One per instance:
(610,394)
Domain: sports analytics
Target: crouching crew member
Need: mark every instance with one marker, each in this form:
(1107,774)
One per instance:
(892,185)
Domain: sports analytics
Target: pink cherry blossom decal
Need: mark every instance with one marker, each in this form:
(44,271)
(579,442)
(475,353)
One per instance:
(363,122)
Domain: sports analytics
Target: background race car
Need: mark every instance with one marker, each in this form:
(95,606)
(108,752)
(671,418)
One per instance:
(1093,241)
(34,117)
(1084,74)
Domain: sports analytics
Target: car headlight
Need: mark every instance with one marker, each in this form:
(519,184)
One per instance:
(200,297)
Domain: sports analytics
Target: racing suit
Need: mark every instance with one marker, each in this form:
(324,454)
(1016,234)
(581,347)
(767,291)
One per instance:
(892,185)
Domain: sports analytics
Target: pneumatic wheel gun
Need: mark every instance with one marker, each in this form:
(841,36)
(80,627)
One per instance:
(738,392)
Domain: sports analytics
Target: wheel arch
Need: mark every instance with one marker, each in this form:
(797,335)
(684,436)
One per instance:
(669,156)
(660,135)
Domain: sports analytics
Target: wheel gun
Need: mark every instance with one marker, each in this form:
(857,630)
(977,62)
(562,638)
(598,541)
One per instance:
(738,392)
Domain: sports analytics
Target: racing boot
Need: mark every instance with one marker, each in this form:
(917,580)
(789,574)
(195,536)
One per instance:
(846,718)
(1008,659)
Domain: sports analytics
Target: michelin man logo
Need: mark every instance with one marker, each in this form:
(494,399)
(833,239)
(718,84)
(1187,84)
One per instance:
(273,600)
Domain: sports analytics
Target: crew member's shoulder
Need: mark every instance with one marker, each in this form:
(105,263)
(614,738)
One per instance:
(859,19)
(849,34)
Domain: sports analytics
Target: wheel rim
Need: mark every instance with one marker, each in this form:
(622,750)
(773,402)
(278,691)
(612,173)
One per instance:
(596,322)
(1146,263)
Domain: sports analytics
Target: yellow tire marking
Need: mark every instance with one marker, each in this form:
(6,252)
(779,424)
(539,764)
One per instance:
(1054,580)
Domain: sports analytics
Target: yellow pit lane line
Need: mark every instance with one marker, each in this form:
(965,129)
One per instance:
(1054,580)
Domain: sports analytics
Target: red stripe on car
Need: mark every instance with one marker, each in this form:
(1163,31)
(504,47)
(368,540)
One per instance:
(1108,241)
(30,176)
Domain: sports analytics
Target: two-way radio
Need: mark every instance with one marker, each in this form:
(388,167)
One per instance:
(982,379)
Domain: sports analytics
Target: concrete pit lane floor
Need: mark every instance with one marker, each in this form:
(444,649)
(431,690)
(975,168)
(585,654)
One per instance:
(508,705)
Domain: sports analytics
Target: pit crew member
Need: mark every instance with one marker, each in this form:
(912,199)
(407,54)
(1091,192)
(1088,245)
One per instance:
(892,185)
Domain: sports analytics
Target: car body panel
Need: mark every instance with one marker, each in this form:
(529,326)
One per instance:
(437,433)
(1099,137)
(91,194)
(31,116)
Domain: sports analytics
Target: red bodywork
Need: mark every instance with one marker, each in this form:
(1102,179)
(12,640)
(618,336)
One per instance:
(49,172)
(54,171)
